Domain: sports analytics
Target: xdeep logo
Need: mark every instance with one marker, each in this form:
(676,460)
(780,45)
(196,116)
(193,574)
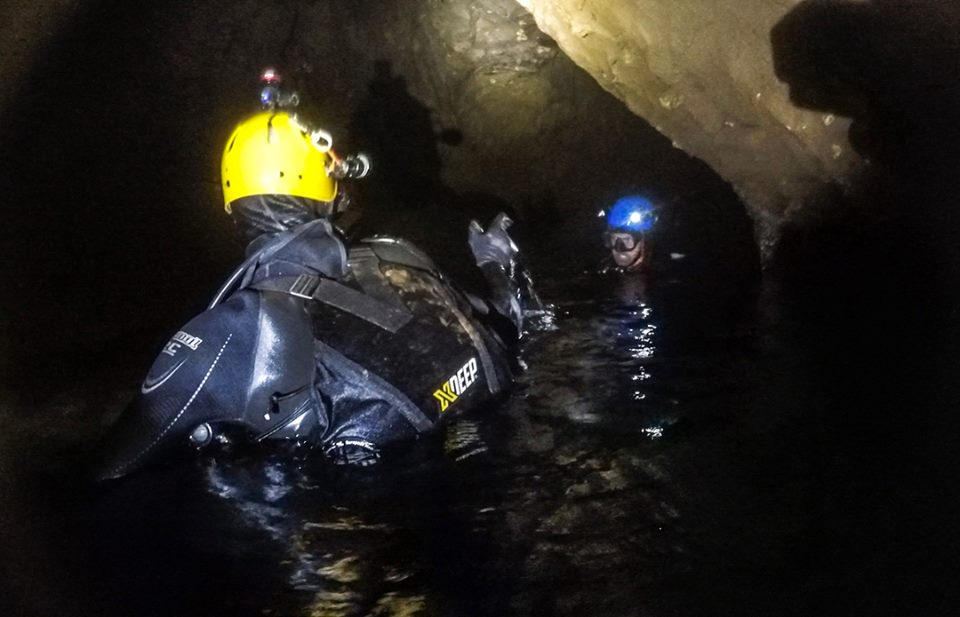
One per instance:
(456,385)
(181,338)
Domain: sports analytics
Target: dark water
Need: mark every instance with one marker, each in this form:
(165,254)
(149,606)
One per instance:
(679,445)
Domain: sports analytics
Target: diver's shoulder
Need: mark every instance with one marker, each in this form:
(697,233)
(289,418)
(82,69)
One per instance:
(395,250)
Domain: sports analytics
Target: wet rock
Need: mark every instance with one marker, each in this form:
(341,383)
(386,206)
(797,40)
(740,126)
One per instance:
(564,402)
(582,517)
(703,75)
(343,571)
(665,513)
(328,602)
(539,438)
(563,521)
(399,605)
(563,458)
(654,470)
(600,482)
(528,436)
(613,472)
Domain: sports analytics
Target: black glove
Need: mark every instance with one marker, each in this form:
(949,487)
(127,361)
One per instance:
(494,245)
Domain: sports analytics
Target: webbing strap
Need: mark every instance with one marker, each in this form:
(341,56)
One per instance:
(246,269)
(365,265)
(387,316)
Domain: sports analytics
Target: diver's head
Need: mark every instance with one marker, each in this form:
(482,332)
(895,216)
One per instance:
(628,221)
(275,173)
(627,250)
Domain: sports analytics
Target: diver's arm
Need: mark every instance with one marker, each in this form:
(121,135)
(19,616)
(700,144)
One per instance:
(496,254)
(504,293)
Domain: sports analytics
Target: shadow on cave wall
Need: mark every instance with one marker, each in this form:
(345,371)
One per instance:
(397,131)
(873,292)
(892,67)
(405,194)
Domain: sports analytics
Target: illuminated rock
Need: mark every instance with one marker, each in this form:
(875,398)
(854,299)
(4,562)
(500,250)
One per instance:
(703,74)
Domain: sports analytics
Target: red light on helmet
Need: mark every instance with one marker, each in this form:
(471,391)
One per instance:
(270,76)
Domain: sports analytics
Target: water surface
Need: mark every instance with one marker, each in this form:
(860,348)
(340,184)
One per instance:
(678,445)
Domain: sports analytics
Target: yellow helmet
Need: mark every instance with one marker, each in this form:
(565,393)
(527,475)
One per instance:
(273,154)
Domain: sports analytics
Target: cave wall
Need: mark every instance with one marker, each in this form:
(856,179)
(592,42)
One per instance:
(535,132)
(28,26)
(763,91)
(703,74)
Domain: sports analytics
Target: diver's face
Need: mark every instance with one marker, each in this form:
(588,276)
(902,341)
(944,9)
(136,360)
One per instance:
(627,250)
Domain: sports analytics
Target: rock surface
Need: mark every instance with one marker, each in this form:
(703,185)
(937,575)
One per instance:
(703,74)
(743,85)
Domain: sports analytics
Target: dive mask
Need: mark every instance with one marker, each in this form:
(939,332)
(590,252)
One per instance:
(620,241)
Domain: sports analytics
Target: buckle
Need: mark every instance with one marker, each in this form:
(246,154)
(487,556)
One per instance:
(305,286)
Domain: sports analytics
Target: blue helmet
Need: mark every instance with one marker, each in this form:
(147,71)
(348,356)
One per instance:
(632,214)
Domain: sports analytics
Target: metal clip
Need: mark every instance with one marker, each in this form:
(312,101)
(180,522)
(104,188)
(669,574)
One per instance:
(305,286)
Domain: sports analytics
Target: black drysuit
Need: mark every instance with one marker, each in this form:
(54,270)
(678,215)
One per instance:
(348,349)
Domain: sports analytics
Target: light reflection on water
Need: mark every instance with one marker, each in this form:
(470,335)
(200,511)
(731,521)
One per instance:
(568,498)
(569,480)
(340,558)
(663,454)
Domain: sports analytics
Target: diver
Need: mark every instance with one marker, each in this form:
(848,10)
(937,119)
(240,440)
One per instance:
(346,348)
(628,225)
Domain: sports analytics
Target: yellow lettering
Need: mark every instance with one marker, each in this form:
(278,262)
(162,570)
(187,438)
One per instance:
(444,403)
(457,384)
